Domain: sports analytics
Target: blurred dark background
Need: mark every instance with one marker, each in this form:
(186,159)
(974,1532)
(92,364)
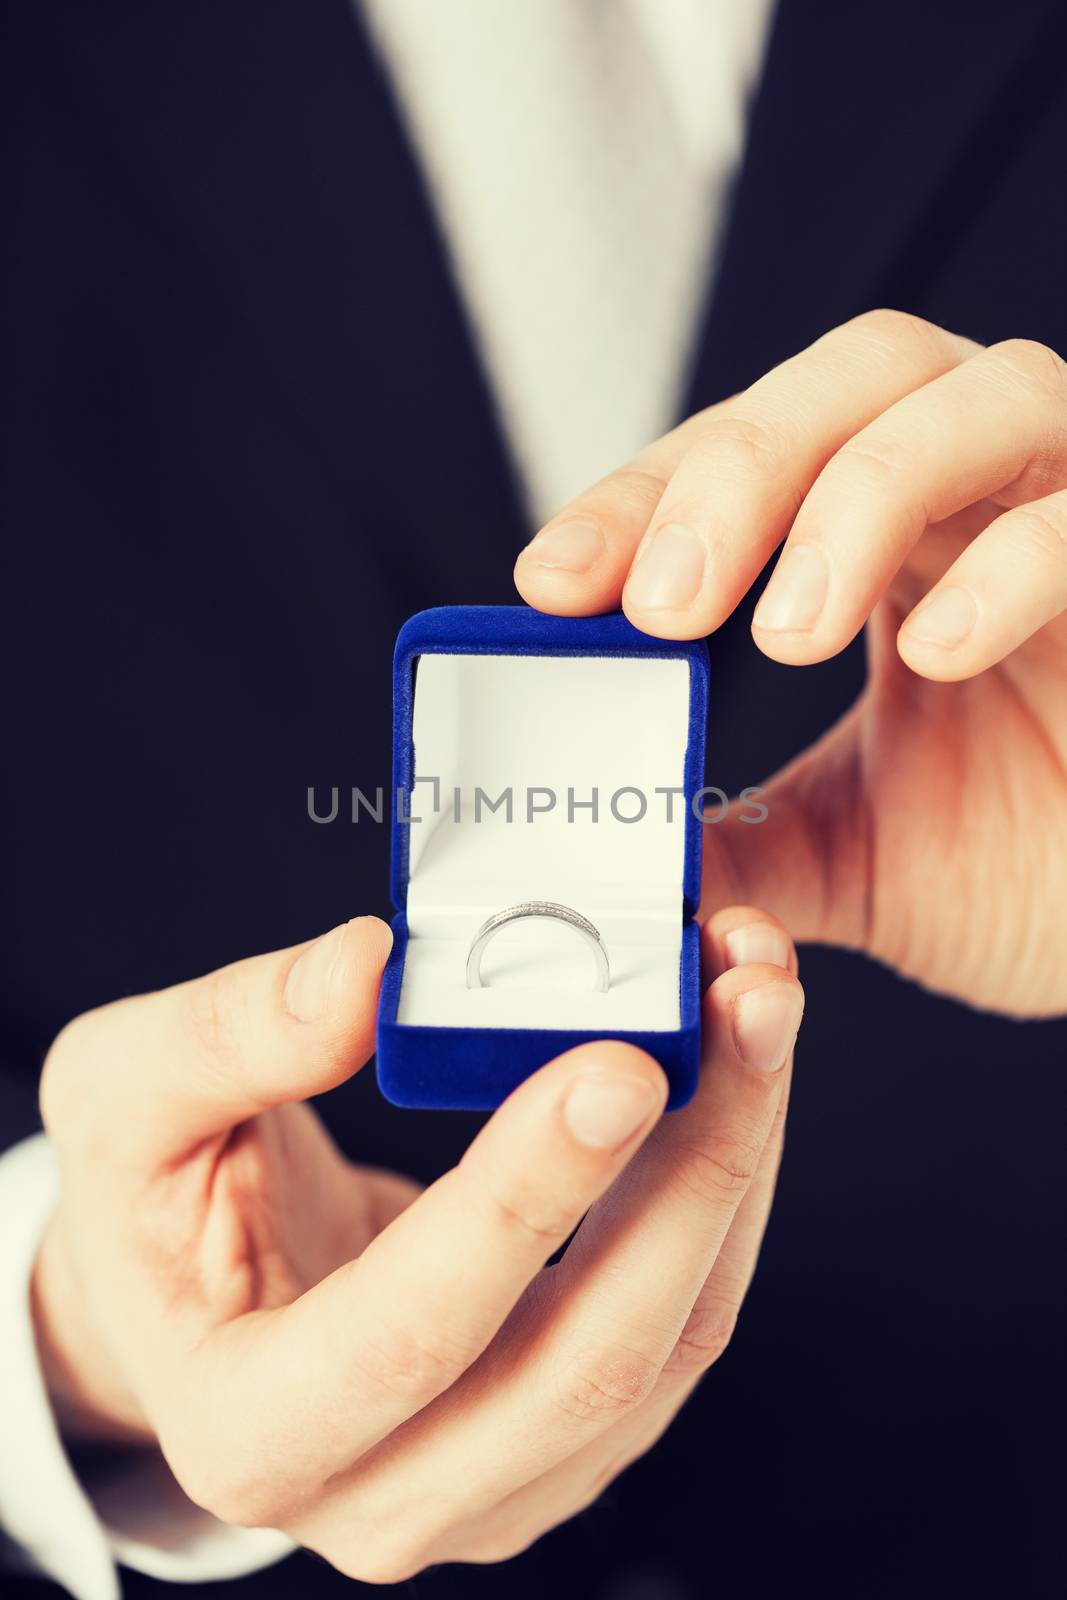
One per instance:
(246,434)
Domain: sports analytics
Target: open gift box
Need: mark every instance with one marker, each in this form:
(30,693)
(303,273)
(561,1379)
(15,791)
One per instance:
(540,759)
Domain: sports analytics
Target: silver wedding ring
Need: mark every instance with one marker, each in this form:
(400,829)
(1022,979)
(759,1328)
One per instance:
(542,909)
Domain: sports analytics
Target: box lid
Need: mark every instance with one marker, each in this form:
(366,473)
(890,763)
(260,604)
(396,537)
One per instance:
(618,713)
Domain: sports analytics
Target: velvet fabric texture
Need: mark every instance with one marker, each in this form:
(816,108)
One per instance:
(461,1068)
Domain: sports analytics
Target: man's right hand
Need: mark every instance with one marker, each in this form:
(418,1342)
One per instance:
(393,1377)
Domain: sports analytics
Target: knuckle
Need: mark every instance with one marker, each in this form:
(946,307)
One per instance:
(66,1087)
(638,489)
(229,1488)
(381,1559)
(895,331)
(517,1205)
(872,457)
(705,1337)
(1036,364)
(384,1532)
(410,1366)
(532,1216)
(207,1006)
(626,493)
(213,1017)
(752,438)
(717,1169)
(605,1385)
(1037,536)
(741,445)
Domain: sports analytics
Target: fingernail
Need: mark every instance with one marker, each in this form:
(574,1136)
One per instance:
(570,546)
(757,941)
(307,988)
(765,1024)
(669,572)
(603,1110)
(946,618)
(793,600)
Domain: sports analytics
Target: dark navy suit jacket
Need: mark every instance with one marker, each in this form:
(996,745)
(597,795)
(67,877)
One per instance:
(247,434)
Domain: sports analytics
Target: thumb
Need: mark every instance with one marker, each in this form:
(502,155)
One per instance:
(149,1077)
(807,858)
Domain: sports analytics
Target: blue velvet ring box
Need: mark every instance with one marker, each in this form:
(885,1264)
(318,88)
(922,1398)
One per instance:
(545,758)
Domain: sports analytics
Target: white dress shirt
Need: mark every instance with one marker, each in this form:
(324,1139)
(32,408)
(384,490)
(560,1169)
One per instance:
(579,157)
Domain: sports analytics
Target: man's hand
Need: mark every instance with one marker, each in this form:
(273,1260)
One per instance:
(392,1377)
(920,485)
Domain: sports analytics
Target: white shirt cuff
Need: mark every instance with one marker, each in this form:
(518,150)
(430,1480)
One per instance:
(75,1532)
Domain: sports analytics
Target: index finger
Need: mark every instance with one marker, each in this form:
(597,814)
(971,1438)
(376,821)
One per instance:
(678,536)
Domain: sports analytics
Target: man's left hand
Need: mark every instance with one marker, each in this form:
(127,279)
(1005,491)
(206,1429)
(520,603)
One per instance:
(919,483)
